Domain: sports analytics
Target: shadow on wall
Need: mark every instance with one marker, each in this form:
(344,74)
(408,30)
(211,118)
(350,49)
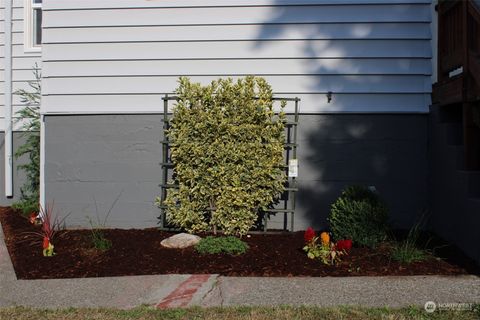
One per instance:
(385,151)
(327,59)
(337,150)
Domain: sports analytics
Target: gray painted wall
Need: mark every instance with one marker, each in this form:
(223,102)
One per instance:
(18,175)
(109,56)
(386,151)
(95,158)
(98,157)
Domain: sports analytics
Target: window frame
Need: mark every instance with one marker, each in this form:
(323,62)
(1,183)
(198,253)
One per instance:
(29,25)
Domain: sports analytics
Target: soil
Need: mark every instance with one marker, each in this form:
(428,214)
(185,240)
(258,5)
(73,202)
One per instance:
(138,252)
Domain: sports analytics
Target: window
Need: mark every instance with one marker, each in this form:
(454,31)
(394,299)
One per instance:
(33,25)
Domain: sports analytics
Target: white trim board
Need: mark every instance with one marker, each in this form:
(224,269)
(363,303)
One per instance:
(310,103)
(127,4)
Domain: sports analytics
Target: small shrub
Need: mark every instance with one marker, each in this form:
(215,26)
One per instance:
(359,214)
(215,245)
(227,146)
(407,251)
(50,225)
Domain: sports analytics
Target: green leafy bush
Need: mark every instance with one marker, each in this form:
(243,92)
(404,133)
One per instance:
(215,245)
(227,148)
(30,114)
(360,215)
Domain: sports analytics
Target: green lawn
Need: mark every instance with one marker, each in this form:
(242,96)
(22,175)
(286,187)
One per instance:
(250,313)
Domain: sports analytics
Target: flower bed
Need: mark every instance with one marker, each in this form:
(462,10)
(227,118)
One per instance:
(138,252)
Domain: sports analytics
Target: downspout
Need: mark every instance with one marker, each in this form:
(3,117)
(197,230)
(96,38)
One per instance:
(8,101)
(42,162)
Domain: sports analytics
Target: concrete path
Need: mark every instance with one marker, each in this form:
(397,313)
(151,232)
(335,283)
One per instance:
(334,291)
(169,291)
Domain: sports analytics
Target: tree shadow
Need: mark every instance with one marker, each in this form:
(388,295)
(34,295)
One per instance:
(385,151)
(388,151)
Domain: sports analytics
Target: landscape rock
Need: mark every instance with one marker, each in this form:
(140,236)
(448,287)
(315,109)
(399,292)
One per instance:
(180,241)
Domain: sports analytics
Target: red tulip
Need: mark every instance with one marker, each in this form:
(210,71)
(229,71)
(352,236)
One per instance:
(344,245)
(309,234)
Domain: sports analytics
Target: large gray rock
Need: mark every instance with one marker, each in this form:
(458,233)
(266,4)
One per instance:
(180,241)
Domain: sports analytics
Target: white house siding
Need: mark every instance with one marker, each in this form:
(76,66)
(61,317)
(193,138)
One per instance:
(22,62)
(108,56)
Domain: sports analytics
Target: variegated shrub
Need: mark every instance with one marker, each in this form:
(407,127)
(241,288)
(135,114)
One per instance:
(227,146)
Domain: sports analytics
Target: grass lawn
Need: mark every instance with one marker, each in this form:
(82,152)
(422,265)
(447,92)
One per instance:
(251,313)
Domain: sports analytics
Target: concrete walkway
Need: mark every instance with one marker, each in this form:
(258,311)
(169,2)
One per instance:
(168,291)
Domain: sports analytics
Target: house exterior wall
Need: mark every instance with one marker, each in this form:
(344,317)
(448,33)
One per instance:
(110,56)
(22,66)
(22,62)
(97,158)
(107,63)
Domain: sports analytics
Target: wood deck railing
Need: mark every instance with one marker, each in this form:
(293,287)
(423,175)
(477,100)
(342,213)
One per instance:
(458,68)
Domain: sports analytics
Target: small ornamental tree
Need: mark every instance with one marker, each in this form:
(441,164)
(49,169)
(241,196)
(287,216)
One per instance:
(30,115)
(227,149)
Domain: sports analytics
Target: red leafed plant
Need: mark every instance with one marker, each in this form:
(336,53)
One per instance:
(50,225)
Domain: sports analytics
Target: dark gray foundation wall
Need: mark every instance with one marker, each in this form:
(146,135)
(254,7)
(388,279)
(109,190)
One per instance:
(18,175)
(97,158)
(93,160)
(385,151)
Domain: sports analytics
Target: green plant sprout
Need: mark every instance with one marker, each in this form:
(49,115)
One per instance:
(99,241)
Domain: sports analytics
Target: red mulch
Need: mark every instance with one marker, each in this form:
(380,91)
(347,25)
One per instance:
(138,252)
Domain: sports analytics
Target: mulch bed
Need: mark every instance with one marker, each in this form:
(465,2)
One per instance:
(138,252)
